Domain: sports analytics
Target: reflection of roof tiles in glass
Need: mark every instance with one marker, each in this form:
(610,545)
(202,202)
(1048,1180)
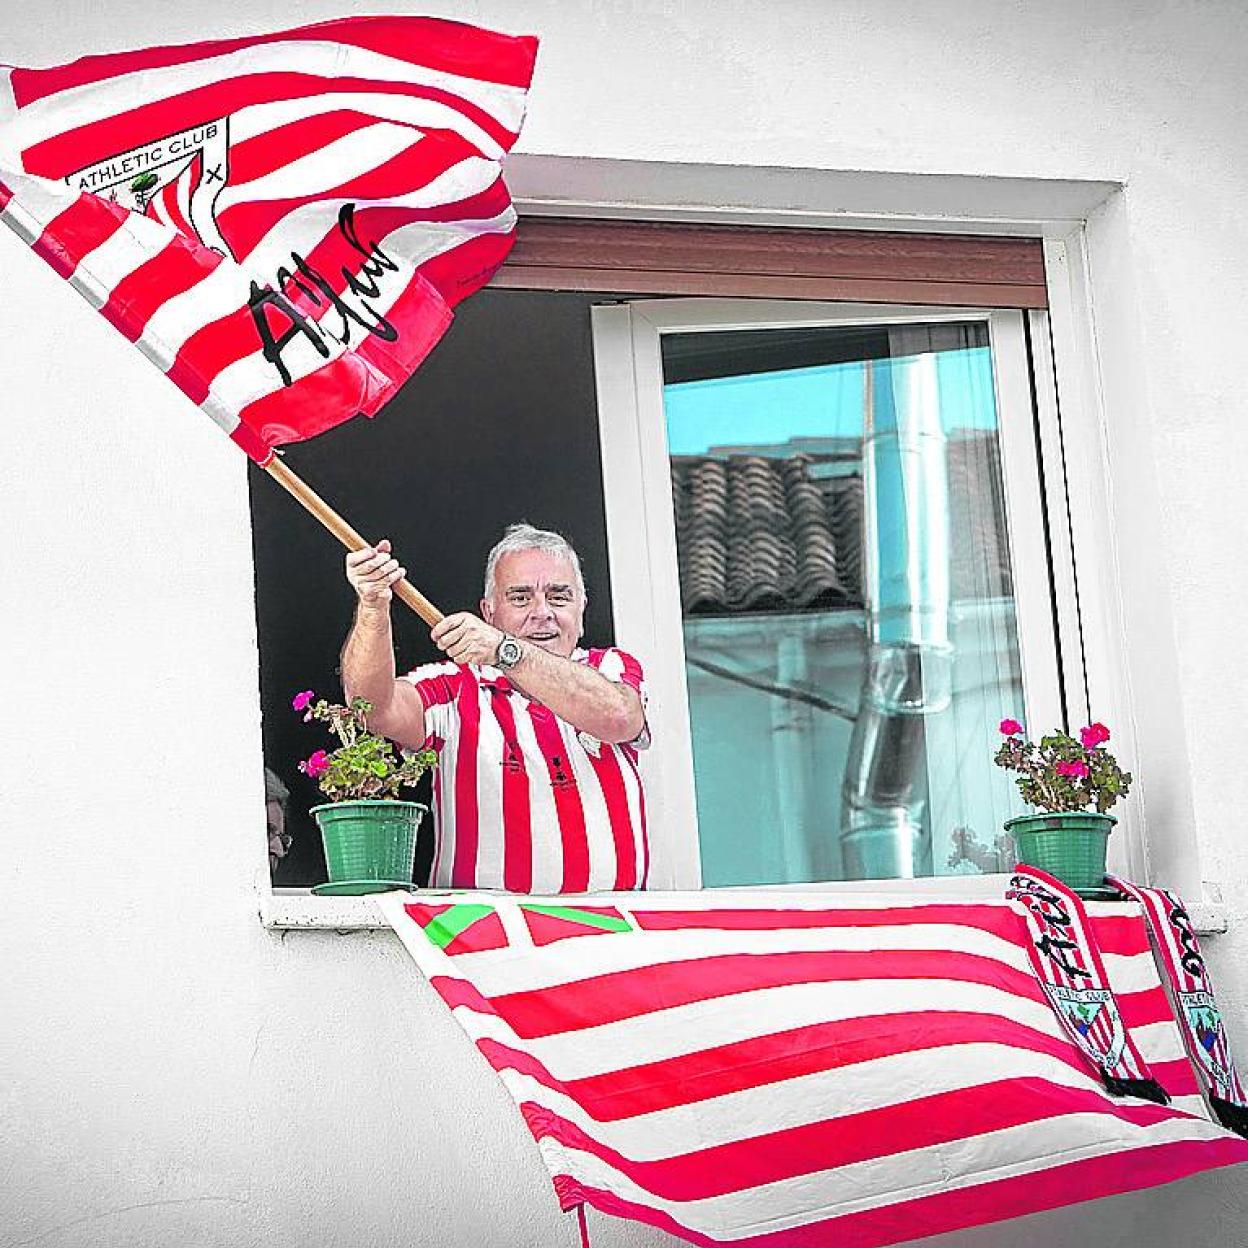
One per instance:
(772,533)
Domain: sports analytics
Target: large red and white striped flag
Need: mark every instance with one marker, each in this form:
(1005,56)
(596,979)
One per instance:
(281,223)
(791,1071)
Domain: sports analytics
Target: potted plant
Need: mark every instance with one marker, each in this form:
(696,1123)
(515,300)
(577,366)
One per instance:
(1072,782)
(369,834)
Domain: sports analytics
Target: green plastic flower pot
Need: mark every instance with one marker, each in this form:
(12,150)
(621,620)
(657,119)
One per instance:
(1069,844)
(369,845)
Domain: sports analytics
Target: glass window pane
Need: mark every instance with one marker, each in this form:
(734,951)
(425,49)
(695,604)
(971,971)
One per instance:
(848,613)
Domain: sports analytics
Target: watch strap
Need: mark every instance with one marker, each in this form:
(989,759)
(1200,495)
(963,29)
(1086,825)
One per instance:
(509,653)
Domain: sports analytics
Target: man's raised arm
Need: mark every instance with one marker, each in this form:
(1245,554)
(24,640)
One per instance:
(574,691)
(368,655)
(584,697)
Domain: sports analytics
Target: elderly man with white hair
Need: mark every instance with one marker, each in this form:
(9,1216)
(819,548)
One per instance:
(537,788)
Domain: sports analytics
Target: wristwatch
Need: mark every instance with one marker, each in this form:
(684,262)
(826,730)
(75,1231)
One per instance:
(509,653)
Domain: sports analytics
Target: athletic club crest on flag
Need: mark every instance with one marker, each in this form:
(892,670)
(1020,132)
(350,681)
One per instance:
(174,179)
(281,223)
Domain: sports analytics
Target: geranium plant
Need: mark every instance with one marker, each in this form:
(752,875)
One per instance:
(364,765)
(1063,772)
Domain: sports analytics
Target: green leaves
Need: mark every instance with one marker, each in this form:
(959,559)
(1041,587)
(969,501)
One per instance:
(365,765)
(1061,773)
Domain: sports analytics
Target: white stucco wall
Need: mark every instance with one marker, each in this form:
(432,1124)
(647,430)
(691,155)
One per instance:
(170,1071)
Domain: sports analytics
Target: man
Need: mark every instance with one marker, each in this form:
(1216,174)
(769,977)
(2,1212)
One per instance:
(537,788)
(276,795)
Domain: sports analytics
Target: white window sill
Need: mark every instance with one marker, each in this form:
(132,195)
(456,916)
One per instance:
(297,909)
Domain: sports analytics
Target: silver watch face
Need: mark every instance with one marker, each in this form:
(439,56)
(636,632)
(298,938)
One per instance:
(509,652)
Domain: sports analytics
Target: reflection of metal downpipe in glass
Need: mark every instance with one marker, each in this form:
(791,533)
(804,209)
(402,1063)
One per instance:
(909,659)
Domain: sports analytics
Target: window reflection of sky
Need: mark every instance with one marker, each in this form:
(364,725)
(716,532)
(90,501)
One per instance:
(821,402)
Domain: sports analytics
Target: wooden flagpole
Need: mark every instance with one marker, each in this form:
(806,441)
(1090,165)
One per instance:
(346,534)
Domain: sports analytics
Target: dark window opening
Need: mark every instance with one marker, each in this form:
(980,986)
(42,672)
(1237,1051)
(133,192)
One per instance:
(499,425)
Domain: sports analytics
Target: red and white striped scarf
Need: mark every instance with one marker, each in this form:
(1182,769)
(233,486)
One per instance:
(1187,978)
(1069,966)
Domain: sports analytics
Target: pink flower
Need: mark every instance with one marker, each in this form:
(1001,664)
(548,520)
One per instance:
(1093,735)
(316,765)
(303,700)
(1078,768)
(1010,727)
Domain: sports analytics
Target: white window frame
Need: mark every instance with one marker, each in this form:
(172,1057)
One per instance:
(1083,230)
(641,531)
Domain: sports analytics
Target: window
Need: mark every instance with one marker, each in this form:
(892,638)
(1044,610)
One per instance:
(826,530)
(500,424)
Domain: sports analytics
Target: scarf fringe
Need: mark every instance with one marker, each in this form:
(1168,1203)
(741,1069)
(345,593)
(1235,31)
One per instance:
(1145,1089)
(1233,1117)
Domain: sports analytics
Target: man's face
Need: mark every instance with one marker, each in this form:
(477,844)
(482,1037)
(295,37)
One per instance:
(536,598)
(279,842)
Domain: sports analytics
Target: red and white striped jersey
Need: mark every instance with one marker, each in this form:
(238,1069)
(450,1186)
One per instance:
(523,801)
